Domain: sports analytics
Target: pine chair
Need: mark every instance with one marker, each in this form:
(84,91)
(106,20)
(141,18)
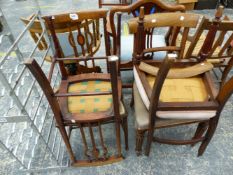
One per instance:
(87,101)
(183,95)
(122,45)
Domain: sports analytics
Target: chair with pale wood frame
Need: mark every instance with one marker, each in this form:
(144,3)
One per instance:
(183,95)
(87,101)
(123,45)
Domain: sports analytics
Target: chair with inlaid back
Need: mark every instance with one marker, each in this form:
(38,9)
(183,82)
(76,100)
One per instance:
(122,45)
(87,101)
(183,95)
(221,52)
(77,35)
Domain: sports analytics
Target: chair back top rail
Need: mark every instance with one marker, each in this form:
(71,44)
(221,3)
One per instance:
(165,20)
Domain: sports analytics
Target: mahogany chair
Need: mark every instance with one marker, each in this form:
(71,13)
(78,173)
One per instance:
(123,45)
(87,101)
(182,95)
(222,50)
(73,35)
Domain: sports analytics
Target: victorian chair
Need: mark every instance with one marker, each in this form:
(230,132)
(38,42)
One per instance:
(122,45)
(87,101)
(183,95)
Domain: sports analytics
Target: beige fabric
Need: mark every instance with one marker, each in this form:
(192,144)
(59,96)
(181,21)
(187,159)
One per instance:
(178,72)
(175,90)
(166,118)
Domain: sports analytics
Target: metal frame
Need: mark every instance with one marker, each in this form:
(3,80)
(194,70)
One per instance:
(28,117)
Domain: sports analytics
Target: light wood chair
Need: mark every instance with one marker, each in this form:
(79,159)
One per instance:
(182,95)
(122,45)
(87,101)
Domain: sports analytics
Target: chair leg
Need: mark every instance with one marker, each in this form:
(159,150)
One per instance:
(139,141)
(201,128)
(208,136)
(125,129)
(132,100)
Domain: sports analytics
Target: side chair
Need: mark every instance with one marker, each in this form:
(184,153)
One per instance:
(176,92)
(222,50)
(86,102)
(122,45)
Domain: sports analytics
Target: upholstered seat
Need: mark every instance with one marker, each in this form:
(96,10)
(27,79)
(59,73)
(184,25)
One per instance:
(88,104)
(142,114)
(174,90)
(127,47)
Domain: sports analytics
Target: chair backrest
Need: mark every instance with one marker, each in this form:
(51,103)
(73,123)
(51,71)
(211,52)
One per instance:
(83,34)
(222,39)
(139,26)
(150,7)
(36,30)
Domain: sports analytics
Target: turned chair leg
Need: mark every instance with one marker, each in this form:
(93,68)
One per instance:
(208,136)
(125,129)
(201,128)
(139,141)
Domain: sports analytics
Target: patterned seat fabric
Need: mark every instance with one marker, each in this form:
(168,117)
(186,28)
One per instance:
(88,104)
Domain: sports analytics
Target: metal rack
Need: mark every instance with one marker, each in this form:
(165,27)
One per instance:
(26,119)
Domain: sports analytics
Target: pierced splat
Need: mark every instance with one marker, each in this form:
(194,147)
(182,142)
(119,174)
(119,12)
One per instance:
(82,31)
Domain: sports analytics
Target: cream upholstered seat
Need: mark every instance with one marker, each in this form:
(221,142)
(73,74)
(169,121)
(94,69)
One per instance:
(127,47)
(174,90)
(142,114)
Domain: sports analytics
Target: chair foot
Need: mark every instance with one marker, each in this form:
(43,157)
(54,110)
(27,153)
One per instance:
(132,100)
(201,128)
(208,136)
(139,141)
(125,129)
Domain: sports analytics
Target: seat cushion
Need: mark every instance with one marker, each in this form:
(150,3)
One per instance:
(88,104)
(127,47)
(175,90)
(166,118)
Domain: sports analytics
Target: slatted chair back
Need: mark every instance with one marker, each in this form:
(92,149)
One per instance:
(150,7)
(223,40)
(67,117)
(139,26)
(83,36)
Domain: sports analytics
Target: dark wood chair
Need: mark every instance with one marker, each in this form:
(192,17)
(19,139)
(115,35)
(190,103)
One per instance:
(87,101)
(123,45)
(113,3)
(182,95)
(83,37)
(222,50)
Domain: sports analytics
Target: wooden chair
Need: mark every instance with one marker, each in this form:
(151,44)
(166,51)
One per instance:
(221,52)
(123,45)
(183,95)
(87,101)
(111,3)
(73,35)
